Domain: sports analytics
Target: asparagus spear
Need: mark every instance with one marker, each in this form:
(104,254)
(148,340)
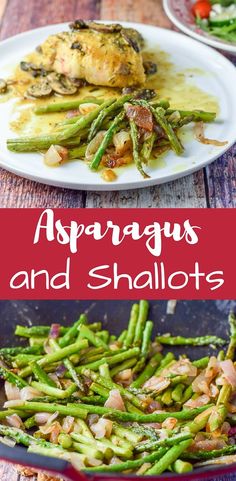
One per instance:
(66,133)
(116,104)
(159,116)
(58,355)
(220,412)
(196,114)
(110,360)
(109,384)
(148,371)
(86,333)
(155,445)
(54,391)
(215,453)
(183,415)
(72,331)
(69,410)
(64,106)
(12,378)
(129,465)
(141,322)
(106,140)
(182,467)
(41,375)
(148,146)
(190,341)
(125,365)
(34,331)
(14,351)
(136,156)
(129,339)
(169,458)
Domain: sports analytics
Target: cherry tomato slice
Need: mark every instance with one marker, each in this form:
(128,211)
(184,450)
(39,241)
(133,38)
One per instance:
(201,9)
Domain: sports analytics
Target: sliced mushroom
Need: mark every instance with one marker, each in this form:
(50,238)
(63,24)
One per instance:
(61,85)
(78,82)
(105,28)
(3,86)
(35,70)
(150,67)
(146,94)
(78,24)
(39,89)
(131,41)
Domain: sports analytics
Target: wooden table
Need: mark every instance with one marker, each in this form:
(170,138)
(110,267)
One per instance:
(214,186)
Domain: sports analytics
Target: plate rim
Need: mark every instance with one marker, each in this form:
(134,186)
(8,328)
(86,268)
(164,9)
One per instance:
(142,183)
(212,42)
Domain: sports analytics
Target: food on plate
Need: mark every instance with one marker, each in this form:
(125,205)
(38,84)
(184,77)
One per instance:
(113,115)
(111,403)
(119,131)
(217,17)
(100,54)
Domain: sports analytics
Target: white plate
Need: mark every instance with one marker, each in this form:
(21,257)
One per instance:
(180,14)
(219,79)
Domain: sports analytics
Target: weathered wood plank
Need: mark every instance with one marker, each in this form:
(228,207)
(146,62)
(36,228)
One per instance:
(2,8)
(135,11)
(221,176)
(21,16)
(18,192)
(8,472)
(18,17)
(187,192)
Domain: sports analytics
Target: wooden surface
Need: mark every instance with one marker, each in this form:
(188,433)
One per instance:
(211,187)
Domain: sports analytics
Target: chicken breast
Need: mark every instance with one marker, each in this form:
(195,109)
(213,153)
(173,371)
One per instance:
(106,55)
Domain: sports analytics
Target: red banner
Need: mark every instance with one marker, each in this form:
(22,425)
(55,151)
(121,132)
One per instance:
(117,254)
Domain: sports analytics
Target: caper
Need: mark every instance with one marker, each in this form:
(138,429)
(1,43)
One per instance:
(3,86)
(39,89)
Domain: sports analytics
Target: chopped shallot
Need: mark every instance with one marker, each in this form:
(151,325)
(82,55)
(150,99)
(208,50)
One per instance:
(169,423)
(125,377)
(55,155)
(200,136)
(87,107)
(170,308)
(208,444)
(14,403)
(42,418)
(102,428)
(202,382)
(8,441)
(115,401)
(29,392)
(14,420)
(156,383)
(68,423)
(94,144)
(181,367)
(12,392)
(200,401)
(229,372)
(122,142)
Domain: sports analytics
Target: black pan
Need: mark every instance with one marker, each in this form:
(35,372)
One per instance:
(191,318)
